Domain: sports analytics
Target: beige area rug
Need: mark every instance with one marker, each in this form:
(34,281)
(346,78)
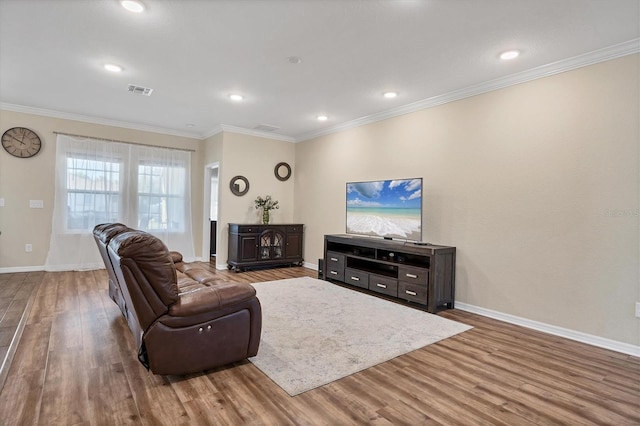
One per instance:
(315,332)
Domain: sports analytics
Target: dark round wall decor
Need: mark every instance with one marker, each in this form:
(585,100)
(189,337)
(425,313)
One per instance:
(282,171)
(239,185)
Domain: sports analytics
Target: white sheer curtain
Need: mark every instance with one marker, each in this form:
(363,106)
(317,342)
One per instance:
(145,188)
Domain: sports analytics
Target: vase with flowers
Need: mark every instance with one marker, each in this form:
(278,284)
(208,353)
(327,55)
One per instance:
(266,204)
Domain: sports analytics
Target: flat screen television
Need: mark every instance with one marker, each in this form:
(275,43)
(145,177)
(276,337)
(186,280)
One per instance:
(385,208)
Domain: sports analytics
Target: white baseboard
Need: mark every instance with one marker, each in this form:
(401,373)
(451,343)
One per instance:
(310,265)
(16,269)
(578,336)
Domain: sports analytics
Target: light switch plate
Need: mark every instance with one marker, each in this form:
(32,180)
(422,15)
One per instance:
(36,204)
(1,202)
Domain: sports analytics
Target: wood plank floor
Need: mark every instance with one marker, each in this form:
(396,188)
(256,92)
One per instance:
(76,364)
(16,291)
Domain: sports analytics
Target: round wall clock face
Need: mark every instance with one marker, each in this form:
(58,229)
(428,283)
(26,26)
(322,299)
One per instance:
(21,142)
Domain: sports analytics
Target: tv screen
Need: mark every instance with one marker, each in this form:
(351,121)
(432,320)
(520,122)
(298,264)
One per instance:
(385,208)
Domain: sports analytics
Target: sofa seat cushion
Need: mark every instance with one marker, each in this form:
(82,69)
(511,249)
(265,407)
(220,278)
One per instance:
(187,285)
(211,297)
(201,275)
(184,267)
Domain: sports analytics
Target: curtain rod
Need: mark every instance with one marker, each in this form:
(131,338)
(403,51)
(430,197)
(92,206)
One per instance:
(115,140)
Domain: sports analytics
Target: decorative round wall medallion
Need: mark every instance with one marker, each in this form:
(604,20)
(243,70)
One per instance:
(239,185)
(282,171)
(21,142)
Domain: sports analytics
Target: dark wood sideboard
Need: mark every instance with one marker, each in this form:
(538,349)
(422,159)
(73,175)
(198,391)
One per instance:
(252,246)
(419,275)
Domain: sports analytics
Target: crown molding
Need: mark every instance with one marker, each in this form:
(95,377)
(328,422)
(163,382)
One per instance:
(250,132)
(212,132)
(612,52)
(95,120)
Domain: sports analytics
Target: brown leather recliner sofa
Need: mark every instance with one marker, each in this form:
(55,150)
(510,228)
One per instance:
(184,318)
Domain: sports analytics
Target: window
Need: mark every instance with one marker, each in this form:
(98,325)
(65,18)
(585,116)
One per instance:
(99,181)
(93,192)
(161,204)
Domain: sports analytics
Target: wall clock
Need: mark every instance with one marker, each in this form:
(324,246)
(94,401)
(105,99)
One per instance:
(21,142)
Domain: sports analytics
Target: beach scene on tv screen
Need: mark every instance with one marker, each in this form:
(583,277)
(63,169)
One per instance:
(386,208)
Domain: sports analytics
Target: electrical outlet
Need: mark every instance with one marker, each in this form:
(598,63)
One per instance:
(28,248)
(637,309)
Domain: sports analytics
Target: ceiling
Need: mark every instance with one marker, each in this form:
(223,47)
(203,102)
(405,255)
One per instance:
(195,53)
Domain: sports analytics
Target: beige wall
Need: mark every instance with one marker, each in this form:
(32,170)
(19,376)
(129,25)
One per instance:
(22,180)
(536,185)
(254,158)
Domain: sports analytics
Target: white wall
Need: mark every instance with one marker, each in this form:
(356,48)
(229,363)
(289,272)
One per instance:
(528,183)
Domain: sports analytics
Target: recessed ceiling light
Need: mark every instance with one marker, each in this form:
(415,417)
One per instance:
(190,125)
(235,97)
(294,59)
(322,118)
(390,94)
(132,6)
(112,67)
(509,54)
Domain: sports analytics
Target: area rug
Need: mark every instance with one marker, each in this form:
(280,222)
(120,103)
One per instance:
(315,332)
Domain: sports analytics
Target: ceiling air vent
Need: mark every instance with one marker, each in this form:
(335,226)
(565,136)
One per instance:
(139,90)
(266,127)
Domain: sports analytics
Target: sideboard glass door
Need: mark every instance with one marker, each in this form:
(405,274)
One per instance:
(271,245)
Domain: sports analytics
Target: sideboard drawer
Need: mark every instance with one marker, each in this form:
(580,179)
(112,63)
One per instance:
(356,277)
(245,229)
(292,229)
(384,285)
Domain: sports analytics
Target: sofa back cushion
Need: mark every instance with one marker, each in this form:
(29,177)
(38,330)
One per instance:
(106,231)
(149,262)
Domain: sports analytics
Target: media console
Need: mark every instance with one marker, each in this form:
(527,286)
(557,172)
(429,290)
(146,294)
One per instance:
(415,273)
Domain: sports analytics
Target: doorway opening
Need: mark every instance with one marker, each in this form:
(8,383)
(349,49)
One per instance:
(210,225)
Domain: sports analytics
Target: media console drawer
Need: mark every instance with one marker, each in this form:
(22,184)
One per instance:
(413,275)
(335,274)
(384,285)
(413,292)
(335,266)
(335,260)
(356,277)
